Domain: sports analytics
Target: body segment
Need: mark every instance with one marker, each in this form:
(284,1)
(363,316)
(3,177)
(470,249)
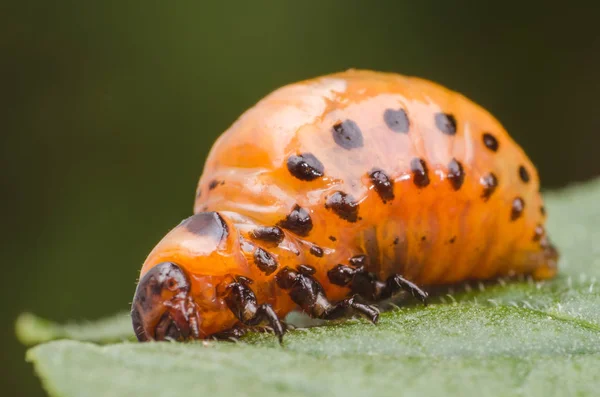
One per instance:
(410,177)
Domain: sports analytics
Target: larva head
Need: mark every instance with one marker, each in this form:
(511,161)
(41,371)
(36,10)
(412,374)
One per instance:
(176,297)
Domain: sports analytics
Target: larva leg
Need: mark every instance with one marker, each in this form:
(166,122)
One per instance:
(369,287)
(241,300)
(305,291)
(396,283)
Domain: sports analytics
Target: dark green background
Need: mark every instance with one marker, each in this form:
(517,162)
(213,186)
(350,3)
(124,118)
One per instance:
(109,109)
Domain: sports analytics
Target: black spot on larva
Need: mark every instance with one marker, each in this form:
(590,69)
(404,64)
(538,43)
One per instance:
(271,234)
(456,174)
(490,142)
(332,238)
(489,183)
(420,172)
(452,240)
(538,233)
(264,261)
(396,120)
(298,221)
(305,167)
(446,123)
(307,270)
(343,205)
(384,186)
(359,260)
(213,184)
(347,135)
(523,174)
(207,224)
(543,210)
(518,206)
(316,251)
(396,240)
(423,238)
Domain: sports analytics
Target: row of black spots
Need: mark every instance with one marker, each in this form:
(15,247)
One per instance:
(265,261)
(348,135)
(343,205)
(305,167)
(384,186)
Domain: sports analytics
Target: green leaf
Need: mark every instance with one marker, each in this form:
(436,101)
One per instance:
(500,339)
(31,329)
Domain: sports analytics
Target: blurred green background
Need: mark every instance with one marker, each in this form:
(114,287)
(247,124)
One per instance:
(110,108)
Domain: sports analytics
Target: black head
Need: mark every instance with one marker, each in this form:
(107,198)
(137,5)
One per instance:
(162,308)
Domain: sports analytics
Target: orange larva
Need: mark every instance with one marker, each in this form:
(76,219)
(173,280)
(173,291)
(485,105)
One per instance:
(334,193)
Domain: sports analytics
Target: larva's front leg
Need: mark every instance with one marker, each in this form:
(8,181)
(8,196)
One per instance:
(307,293)
(240,299)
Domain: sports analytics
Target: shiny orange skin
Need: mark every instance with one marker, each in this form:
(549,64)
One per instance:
(431,235)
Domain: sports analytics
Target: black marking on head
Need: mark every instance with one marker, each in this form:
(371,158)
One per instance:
(163,277)
(490,142)
(214,183)
(543,210)
(332,238)
(264,261)
(384,186)
(518,206)
(423,238)
(347,135)
(307,270)
(396,240)
(207,224)
(396,120)
(316,251)
(271,234)
(452,240)
(446,123)
(456,174)
(343,205)
(420,172)
(489,183)
(538,233)
(305,166)
(359,260)
(523,174)
(298,221)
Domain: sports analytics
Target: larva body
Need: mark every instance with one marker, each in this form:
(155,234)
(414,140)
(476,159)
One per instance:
(337,186)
